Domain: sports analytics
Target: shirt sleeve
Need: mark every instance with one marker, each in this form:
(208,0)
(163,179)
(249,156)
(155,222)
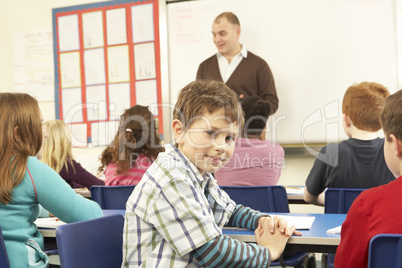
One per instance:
(315,182)
(224,251)
(353,249)
(266,86)
(245,217)
(56,196)
(200,73)
(81,176)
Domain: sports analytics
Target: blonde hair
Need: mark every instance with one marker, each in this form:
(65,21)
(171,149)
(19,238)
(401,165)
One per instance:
(20,137)
(57,146)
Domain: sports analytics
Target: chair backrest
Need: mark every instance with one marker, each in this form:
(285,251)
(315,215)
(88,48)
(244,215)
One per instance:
(91,243)
(111,197)
(339,200)
(4,262)
(262,198)
(385,250)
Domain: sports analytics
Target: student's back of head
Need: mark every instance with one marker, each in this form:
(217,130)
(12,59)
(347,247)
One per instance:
(363,104)
(57,146)
(391,122)
(256,113)
(137,135)
(391,116)
(20,137)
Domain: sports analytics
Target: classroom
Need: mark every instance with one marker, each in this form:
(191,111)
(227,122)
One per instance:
(315,49)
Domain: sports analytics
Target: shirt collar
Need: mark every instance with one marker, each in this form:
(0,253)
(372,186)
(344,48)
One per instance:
(242,53)
(177,154)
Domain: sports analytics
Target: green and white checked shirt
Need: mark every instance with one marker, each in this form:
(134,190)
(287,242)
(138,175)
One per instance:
(171,212)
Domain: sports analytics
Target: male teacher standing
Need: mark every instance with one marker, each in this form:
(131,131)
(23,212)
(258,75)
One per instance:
(244,72)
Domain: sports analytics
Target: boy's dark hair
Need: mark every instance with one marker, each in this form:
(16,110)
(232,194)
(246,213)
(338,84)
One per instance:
(203,96)
(363,103)
(391,116)
(256,113)
(137,135)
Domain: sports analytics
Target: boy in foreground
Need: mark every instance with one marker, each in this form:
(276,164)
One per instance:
(377,210)
(175,215)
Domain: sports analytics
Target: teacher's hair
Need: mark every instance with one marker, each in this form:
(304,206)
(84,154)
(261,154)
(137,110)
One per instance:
(231,17)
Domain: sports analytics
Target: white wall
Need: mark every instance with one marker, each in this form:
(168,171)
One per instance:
(24,16)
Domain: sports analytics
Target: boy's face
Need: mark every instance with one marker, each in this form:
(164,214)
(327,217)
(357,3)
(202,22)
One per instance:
(209,142)
(391,156)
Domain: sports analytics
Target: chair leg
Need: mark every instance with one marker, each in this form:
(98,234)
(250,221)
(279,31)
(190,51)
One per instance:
(308,262)
(324,263)
(283,264)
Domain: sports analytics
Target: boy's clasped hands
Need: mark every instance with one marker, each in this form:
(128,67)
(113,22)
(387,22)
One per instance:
(274,233)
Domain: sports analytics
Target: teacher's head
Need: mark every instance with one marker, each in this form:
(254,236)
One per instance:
(226,33)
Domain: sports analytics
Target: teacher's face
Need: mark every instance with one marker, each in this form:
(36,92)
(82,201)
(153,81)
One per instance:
(226,37)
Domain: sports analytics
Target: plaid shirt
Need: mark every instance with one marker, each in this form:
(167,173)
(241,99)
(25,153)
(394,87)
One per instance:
(171,212)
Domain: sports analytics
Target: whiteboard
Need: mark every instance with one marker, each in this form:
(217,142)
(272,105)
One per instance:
(316,49)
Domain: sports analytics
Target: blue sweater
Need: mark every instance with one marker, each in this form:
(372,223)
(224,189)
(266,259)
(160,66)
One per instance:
(24,243)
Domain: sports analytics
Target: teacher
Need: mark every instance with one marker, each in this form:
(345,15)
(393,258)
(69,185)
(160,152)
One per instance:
(242,71)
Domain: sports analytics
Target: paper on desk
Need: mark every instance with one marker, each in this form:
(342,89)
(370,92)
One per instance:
(336,230)
(52,222)
(294,190)
(300,222)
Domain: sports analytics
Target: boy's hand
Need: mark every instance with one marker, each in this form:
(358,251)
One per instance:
(277,222)
(275,241)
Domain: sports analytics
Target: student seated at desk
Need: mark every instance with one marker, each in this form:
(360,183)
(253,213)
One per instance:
(359,161)
(58,155)
(27,183)
(377,210)
(256,161)
(175,215)
(134,148)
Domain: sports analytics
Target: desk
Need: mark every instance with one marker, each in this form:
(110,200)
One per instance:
(295,194)
(51,232)
(314,240)
(84,192)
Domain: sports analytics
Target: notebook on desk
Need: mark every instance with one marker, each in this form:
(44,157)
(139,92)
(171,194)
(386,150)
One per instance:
(300,222)
(51,223)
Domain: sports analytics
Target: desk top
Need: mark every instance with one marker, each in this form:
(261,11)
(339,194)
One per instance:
(295,194)
(315,240)
(85,192)
(51,232)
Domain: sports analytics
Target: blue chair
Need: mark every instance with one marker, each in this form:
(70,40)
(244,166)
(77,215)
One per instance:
(385,250)
(338,201)
(262,198)
(111,197)
(92,243)
(268,199)
(4,262)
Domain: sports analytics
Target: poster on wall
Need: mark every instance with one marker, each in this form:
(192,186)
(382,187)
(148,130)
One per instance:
(33,66)
(107,59)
